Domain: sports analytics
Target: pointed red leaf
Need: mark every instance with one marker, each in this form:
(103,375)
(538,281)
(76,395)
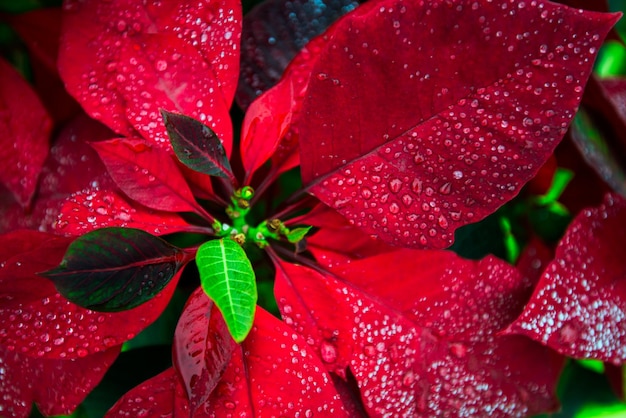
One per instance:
(202,348)
(37,321)
(264,125)
(124,60)
(56,386)
(421,335)
(474,103)
(147,174)
(90,209)
(579,305)
(25,127)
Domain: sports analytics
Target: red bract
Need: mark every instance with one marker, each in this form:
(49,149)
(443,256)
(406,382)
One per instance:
(71,166)
(428,343)
(579,305)
(52,351)
(419,147)
(123,61)
(272,373)
(26,127)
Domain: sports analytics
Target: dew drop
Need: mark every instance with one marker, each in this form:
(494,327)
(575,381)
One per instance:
(394,208)
(160,65)
(568,334)
(366,193)
(328,352)
(395,185)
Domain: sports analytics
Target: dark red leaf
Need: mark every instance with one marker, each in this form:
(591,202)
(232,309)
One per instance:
(124,60)
(91,209)
(25,128)
(421,339)
(197,146)
(273,34)
(56,386)
(579,305)
(38,322)
(202,348)
(273,372)
(147,174)
(455,141)
(116,269)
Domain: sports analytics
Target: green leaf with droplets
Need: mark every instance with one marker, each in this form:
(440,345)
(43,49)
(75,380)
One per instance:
(197,146)
(115,269)
(227,277)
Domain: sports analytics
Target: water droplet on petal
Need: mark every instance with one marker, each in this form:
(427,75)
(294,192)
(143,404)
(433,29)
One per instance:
(328,352)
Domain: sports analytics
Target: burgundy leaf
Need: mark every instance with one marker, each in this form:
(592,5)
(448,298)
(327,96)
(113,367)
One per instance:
(273,372)
(39,322)
(116,269)
(124,60)
(579,305)
(197,146)
(56,386)
(455,140)
(273,34)
(147,174)
(426,345)
(91,209)
(25,127)
(202,348)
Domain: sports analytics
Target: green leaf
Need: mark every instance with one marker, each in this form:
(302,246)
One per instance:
(115,269)
(197,146)
(296,235)
(227,277)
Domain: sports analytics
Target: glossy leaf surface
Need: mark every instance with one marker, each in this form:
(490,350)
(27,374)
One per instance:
(146,174)
(457,140)
(29,300)
(197,146)
(26,127)
(114,269)
(228,279)
(186,52)
(579,305)
(202,348)
(414,348)
(264,378)
(273,33)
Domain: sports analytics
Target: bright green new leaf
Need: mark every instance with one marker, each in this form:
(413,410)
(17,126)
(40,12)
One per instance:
(296,235)
(228,279)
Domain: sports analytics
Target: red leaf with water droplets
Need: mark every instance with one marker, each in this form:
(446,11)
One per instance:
(427,344)
(71,165)
(474,105)
(124,60)
(273,371)
(579,305)
(88,210)
(202,348)
(152,398)
(26,129)
(147,174)
(56,386)
(39,322)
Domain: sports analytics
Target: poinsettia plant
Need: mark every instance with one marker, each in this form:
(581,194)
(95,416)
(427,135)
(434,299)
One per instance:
(382,225)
